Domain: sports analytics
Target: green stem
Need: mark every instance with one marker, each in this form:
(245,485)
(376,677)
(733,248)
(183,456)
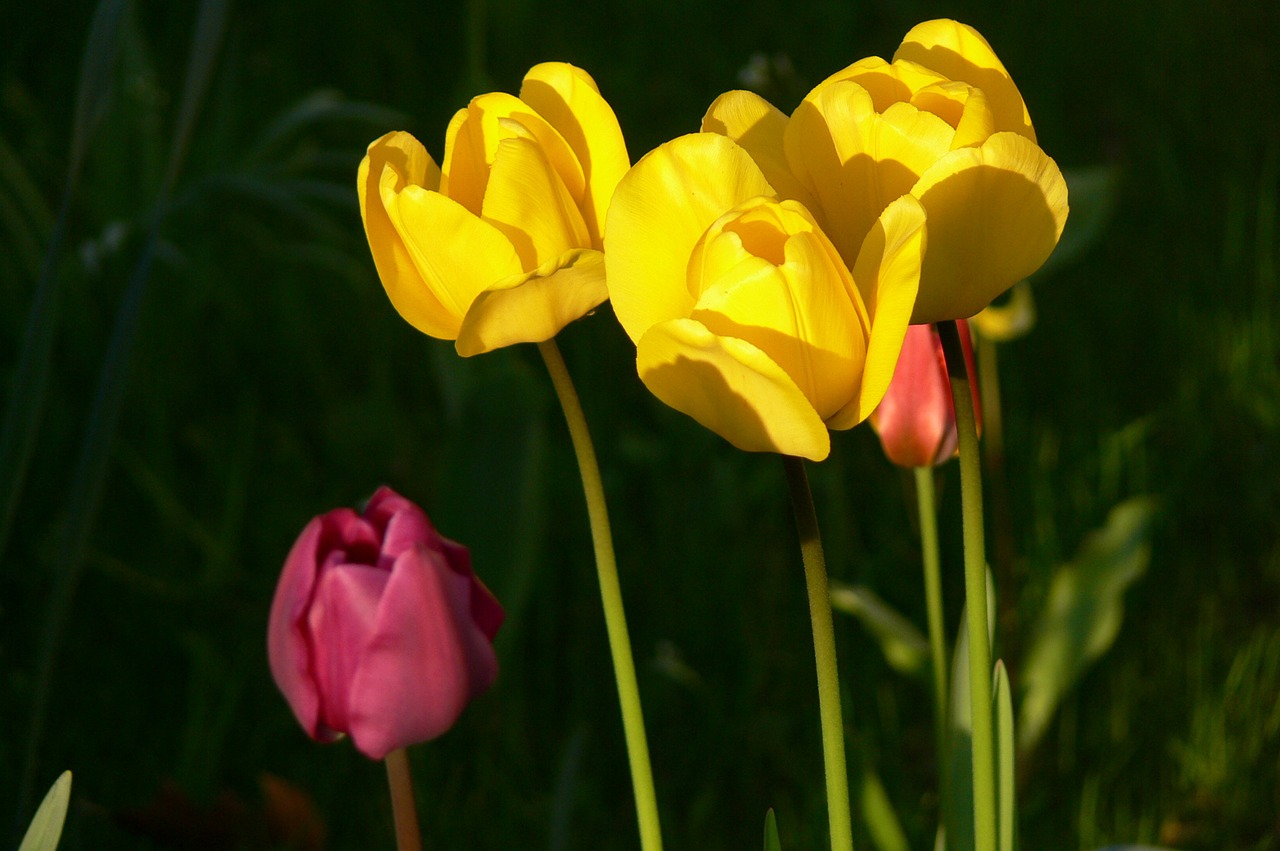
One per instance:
(615,618)
(824,652)
(975,589)
(404,810)
(933,603)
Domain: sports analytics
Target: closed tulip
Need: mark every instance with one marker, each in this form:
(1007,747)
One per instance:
(744,315)
(942,123)
(499,243)
(379,629)
(916,419)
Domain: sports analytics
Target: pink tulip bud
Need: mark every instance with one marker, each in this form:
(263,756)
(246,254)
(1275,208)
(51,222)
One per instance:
(916,420)
(379,629)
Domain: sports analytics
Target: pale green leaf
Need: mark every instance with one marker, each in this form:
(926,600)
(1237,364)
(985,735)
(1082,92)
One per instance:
(905,648)
(46,827)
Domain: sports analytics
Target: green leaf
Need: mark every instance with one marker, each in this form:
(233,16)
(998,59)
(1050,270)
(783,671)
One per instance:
(1006,780)
(1083,612)
(771,840)
(1092,192)
(957,806)
(905,648)
(877,812)
(1134,848)
(46,827)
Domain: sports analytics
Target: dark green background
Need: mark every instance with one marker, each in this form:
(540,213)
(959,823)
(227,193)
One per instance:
(273,381)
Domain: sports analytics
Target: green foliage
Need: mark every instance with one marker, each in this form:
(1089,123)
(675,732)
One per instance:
(1006,760)
(1082,613)
(904,646)
(771,841)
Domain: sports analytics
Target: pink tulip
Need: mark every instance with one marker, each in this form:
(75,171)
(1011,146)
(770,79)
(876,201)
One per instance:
(916,420)
(379,629)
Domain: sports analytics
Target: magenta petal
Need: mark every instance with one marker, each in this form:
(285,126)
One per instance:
(401,524)
(342,619)
(415,677)
(288,646)
(486,612)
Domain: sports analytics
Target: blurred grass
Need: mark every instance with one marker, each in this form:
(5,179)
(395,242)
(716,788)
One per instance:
(272,381)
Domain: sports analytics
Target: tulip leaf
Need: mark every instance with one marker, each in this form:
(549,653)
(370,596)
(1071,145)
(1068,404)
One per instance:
(771,840)
(1006,755)
(957,807)
(905,648)
(1092,192)
(878,815)
(1083,612)
(46,827)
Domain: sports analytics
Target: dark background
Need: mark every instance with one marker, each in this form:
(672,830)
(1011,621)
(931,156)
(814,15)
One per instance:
(266,379)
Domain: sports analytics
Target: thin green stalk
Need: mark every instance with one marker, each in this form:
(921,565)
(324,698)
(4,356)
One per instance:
(824,653)
(933,603)
(615,618)
(975,588)
(404,810)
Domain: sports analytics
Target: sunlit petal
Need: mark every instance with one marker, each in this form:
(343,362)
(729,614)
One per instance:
(963,107)
(532,308)
(887,275)
(758,126)
(659,212)
(732,388)
(567,97)
(395,161)
(995,213)
(456,255)
(528,202)
(887,82)
(959,52)
(473,138)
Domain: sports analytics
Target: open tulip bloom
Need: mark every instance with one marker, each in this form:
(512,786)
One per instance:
(500,243)
(744,314)
(942,123)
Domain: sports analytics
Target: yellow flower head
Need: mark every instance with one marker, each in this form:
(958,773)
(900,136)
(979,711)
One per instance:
(943,123)
(744,315)
(502,243)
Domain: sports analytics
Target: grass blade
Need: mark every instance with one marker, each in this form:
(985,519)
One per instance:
(46,828)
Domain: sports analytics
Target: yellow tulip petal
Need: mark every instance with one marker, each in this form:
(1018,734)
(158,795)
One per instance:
(567,97)
(887,83)
(475,134)
(730,387)
(959,52)
(887,275)
(995,213)
(758,126)
(659,212)
(398,160)
(856,160)
(799,313)
(528,202)
(456,254)
(532,308)
(962,106)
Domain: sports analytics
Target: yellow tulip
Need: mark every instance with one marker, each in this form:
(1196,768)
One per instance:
(501,243)
(744,315)
(944,123)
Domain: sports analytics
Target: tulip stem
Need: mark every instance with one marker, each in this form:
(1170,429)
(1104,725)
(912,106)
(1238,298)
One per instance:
(975,588)
(615,618)
(824,652)
(403,808)
(933,603)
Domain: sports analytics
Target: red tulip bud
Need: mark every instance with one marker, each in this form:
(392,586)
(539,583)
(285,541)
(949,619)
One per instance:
(916,420)
(379,629)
